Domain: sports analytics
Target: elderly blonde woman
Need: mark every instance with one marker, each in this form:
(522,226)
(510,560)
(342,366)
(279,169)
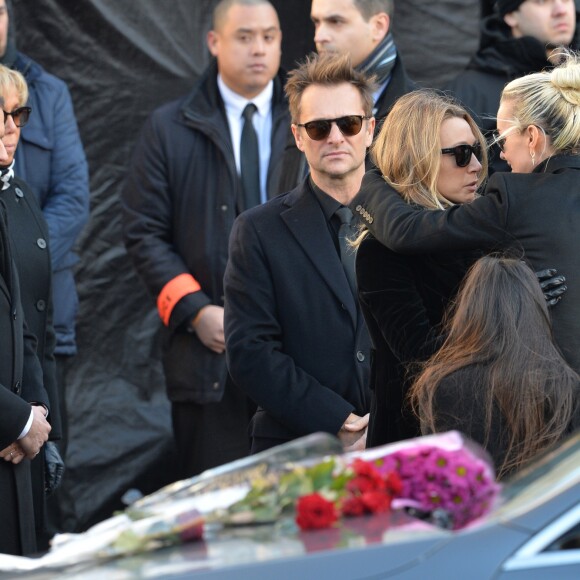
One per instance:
(535,209)
(28,235)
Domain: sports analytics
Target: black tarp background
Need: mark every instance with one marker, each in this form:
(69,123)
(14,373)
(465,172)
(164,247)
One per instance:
(121,59)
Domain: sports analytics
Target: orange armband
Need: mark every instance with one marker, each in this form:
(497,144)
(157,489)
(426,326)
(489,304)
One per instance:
(173,292)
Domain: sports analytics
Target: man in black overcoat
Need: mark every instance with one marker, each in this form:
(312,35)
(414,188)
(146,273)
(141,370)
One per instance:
(296,342)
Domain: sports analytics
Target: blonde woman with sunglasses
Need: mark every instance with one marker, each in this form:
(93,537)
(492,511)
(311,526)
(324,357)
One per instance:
(440,161)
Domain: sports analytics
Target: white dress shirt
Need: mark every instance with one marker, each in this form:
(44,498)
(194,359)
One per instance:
(262,120)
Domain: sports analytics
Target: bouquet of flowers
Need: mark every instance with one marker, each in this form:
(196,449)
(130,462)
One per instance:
(318,494)
(453,487)
(439,478)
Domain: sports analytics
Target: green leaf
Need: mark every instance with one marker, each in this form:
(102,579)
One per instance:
(321,474)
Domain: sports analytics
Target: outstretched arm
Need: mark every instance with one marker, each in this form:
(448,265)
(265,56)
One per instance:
(411,230)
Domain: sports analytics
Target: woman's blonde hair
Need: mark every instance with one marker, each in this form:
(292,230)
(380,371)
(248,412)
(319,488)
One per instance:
(407,150)
(550,100)
(13,79)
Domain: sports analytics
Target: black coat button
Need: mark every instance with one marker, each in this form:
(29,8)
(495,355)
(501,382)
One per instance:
(41,243)
(41,306)
(360,356)
(17,388)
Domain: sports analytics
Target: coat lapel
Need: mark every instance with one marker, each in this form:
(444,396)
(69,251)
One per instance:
(306,222)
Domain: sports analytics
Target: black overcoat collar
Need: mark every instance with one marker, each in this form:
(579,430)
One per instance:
(306,222)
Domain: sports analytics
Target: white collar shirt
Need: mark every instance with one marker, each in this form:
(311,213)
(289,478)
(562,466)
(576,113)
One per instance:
(262,121)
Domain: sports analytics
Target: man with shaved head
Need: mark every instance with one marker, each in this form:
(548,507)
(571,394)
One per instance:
(199,163)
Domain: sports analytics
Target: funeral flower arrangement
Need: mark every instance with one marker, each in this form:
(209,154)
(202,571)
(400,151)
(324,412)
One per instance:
(451,487)
(442,479)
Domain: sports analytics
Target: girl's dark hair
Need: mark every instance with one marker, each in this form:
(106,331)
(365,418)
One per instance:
(500,328)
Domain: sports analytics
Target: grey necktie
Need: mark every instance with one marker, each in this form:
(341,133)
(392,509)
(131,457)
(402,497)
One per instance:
(347,232)
(250,159)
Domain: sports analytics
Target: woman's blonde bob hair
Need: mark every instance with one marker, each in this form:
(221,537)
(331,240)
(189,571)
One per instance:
(550,100)
(13,79)
(407,150)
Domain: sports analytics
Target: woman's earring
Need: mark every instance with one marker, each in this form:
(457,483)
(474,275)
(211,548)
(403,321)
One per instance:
(533,156)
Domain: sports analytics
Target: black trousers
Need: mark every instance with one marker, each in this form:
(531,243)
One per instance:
(212,434)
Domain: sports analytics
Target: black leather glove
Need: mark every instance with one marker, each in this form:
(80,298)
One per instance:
(552,286)
(53,468)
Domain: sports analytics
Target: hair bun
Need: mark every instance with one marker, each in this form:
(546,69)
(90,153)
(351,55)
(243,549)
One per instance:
(566,78)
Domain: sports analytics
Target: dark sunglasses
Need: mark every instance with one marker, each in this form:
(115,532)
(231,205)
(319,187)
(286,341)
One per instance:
(349,126)
(20,116)
(463,153)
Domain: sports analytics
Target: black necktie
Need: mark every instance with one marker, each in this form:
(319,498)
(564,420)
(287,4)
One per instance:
(347,232)
(250,159)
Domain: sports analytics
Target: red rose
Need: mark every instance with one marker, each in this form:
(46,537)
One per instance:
(376,502)
(314,512)
(394,483)
(367,478)
(353,506)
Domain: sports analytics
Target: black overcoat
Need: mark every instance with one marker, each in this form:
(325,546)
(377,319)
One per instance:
(296,342)
(30,250)
(20,383)
(180,201)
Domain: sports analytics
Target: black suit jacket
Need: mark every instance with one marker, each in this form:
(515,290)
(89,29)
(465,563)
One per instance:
(295,338)
(537,213)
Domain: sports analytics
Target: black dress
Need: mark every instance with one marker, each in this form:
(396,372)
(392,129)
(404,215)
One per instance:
(403,299)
